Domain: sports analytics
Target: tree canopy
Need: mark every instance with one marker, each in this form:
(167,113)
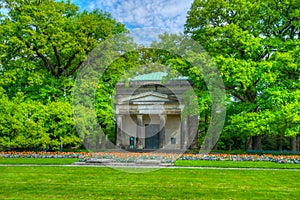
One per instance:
(254,44)
(256,47)
(53,35)
(43,44)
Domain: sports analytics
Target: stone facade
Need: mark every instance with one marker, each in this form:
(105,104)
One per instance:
(149,113)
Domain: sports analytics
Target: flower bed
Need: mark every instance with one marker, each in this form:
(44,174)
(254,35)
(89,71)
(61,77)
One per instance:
(127,157)
(243,157)
(115,156)
(13,154)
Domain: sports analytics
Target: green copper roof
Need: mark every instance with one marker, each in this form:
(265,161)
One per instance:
(155,76)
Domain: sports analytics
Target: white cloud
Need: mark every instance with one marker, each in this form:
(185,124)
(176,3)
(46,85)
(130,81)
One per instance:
(144,36)
(150,13)
(159,15)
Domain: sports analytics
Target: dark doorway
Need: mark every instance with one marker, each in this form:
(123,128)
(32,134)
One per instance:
(152,136)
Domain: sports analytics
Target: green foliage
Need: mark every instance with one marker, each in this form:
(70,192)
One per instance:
(43,44)
(122,68)
(53,35)
(256,48)
(255,45)
(30,124)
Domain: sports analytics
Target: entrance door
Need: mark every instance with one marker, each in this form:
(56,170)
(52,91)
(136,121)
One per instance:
(152,136)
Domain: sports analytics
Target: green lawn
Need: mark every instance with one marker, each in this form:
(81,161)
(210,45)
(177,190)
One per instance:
(235,164)
(40,161)
(106,183)
(194,163)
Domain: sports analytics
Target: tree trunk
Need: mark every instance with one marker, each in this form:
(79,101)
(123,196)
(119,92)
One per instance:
(298,142)
(97,142)
(195,131)
(103,141)
(248,145)
(214,142)
(206,143)
(294,143)
(194,144)
(85,142)
(256,142)
(279,143)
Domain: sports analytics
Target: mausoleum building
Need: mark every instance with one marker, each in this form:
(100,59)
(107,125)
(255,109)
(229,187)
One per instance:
(149,113)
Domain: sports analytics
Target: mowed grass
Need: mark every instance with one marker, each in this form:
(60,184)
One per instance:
(38,161)
(235,164)
(179,163)
(44,182)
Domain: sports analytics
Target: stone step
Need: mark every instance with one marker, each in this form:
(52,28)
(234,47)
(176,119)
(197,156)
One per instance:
(100,161)
(139,163)
(148,162)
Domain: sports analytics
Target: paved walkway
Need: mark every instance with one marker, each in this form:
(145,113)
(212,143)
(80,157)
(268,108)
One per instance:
(147,167)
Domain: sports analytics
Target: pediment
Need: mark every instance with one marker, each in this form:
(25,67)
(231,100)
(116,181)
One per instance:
(147,97)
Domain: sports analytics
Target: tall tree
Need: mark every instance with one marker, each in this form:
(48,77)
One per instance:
(28,124)
(256,47)
(52,34)
(43,44)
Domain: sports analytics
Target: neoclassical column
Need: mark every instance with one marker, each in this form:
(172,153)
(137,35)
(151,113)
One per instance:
(139,127)
(182,133)
(188,131)
(162,124)
(119,130)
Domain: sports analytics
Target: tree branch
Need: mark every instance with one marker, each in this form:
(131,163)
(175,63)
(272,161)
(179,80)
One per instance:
(46,62)
(235,94)
(59,71)
(255,82)
(44,59)
(72,71)
(67,66)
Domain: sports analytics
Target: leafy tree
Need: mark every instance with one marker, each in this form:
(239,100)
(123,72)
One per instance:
(187,58)
(27,124)
(256,47)
(53,35)
(43,44)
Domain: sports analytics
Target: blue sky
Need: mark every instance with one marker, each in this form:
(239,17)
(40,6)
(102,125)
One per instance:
(144,18)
